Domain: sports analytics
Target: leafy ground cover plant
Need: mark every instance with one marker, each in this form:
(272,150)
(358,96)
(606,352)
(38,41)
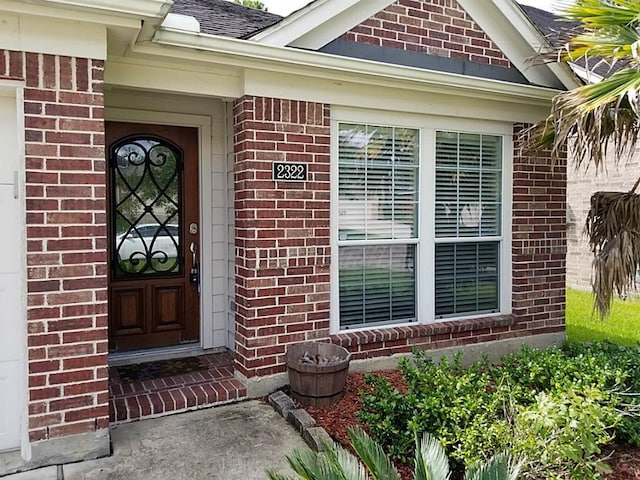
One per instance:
(560,435)
(371,462)
(482,409)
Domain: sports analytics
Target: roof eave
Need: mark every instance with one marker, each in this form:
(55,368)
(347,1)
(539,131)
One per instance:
(241,53)
(512,31)
(137,8)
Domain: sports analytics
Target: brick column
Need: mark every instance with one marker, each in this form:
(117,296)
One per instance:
(66,254)
(539,239)
(282,231)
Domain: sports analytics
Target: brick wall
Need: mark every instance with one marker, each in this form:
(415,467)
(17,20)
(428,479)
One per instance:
(581,185)
(539,239)
(66,242)
(281,231)
(282,247)
(435,27)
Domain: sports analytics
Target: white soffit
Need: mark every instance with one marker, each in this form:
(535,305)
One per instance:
(320,22)
(507,25)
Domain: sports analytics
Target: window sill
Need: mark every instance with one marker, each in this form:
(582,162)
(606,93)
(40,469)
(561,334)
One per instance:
(437,331)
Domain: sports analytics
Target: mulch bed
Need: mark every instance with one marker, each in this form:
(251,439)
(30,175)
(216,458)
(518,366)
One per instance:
(336,419)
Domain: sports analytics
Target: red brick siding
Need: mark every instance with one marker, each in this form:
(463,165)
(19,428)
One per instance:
(282,247)
(393,340)
(66,241)
(539,239)
(281,231)
(435,27)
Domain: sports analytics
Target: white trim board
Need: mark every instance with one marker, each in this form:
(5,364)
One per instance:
(320,22)
(13,276)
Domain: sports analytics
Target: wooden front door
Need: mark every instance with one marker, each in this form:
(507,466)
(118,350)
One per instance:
(154,235)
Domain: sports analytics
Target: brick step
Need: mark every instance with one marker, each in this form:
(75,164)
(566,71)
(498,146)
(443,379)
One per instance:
(164,396)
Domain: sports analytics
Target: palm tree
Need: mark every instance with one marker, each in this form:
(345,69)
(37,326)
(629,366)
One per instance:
(592,118)
(336,463)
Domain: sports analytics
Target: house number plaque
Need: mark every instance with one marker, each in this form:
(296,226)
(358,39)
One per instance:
(290,171)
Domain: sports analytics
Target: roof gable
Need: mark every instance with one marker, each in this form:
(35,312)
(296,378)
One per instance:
(492,32)
(320,22)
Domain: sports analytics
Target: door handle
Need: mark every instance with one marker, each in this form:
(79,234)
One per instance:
(194,273)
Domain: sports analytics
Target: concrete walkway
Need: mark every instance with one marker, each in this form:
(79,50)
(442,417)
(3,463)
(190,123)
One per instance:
(234,442)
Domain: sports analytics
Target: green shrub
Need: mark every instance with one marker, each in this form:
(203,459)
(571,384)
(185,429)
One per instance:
(463,408)
(479,410)
(387,412)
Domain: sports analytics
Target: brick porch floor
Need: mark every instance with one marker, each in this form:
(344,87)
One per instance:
(154,398)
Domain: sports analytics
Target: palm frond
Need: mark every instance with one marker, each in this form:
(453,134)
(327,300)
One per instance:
(597,13)
(590,119)
(431,461)
(277,476)
(611,43)
(613,228)
(310,465)
(346,464)
(499,467)
(372,455)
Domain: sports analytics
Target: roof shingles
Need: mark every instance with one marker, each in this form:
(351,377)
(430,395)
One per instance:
(221,17)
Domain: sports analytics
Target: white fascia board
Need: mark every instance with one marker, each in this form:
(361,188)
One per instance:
(511,30)
(48,10)
(25,33)
(173,77)
(244,54)
(137,8)
(585,74)
(320,22)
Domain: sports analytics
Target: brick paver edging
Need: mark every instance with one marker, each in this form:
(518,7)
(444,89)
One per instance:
(315,437)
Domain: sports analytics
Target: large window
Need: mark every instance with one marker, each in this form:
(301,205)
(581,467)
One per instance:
(410,251)
(467,223)
(377,223)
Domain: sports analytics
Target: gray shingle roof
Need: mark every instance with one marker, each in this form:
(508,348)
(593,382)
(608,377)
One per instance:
(557,31)
(220,17)
(549,24)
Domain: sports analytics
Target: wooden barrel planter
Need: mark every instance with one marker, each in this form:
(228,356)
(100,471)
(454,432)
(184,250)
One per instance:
(317,372)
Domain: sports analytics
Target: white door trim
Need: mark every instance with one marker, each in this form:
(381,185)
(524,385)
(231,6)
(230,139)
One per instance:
(14,182)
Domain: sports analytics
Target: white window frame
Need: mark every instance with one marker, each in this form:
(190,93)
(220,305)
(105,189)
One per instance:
(426,239)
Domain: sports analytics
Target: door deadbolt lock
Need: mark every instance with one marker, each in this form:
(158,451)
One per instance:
(193,228)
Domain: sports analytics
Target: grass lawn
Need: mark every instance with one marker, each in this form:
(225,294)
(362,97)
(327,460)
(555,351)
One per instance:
(583,325)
